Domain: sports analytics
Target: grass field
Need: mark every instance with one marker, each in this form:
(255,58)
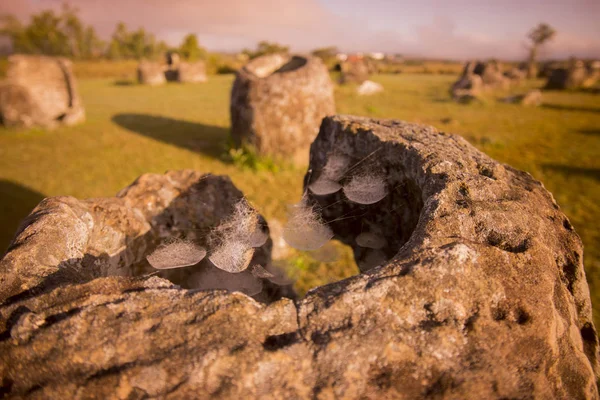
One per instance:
(131,130)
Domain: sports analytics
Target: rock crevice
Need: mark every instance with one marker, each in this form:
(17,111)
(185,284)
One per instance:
(480,291)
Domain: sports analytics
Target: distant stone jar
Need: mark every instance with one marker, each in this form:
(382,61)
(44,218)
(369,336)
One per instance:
(151,73)
(479,77)
(189,72)
(468,86)
(278,102)
(572,77)
(355,71)
(491,75)
(39,91)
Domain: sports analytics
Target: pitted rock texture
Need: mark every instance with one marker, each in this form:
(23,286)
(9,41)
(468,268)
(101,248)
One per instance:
(69,241)
(516,75)
(355,71)
(191,72)
(489,290)
(278,102)
(491,74)
(39,91)
(151,73)
(572,77)
(183,71)
(483,297)
(478,77)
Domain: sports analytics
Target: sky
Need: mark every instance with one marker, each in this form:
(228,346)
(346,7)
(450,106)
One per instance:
(448,29)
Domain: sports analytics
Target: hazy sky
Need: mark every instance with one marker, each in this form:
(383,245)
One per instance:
(433,28)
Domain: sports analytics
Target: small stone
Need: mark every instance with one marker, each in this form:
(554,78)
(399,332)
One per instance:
(368,88)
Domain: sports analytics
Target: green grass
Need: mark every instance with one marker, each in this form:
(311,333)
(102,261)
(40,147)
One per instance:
(131,130)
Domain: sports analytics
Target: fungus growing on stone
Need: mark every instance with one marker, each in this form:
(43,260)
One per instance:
(370,240)
(258,238)
(323,186)
(260,272)
(304,229)
(365,188)
(328,181)
(232,256)
(176,254)
(242,225)
(234,240)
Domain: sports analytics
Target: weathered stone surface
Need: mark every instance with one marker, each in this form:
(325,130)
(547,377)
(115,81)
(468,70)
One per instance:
(547,67)
(368,88)
(572,77)
(186,72)
(151,73)
(516,75)
(593,74)
(477,78)
(278,102)
(192,72)
(531,98)
(355,71)
(172,58)
(469,85)
(483,296)
(66,240)
(39,91)
(491,74)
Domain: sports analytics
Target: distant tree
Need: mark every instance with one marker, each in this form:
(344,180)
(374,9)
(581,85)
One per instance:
(92,46)
(118,43)
(265,47)
(537,36)
(56,34)
(141,45)
(191,50)
(43,35)
(160,48)
(134,45)
(327,54)
(12,29)
(83,41)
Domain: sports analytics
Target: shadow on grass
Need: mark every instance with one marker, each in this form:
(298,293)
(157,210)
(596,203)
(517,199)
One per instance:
(16,202)
(592,131)
(562,107)
(125,82)
(592,90)
(205,139)
(567,170)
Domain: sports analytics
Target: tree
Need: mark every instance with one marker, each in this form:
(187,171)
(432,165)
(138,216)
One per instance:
(55,34)
(137,45)
(83,41)
(538,36)
(327,54)
(117,46)
(265,47)
(191,50)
